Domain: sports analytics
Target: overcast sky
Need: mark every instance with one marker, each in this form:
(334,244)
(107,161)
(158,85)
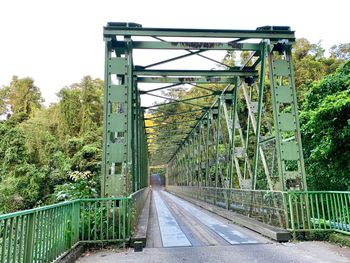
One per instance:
(57,42)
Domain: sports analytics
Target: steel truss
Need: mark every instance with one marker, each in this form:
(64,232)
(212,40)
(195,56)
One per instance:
(248,138)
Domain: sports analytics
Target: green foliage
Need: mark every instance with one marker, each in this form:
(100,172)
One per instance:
(20,181)
(310,65)
(340,239)
(20,97)
(88,158)
(80,108)
(326,132)
(341,51)
(43,151)
(12,149)
(82,185)
(39,140)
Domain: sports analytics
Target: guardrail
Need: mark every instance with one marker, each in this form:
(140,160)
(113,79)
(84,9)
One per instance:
(265,206)
(105,219)
(44,234)
(319,211)
(297,211)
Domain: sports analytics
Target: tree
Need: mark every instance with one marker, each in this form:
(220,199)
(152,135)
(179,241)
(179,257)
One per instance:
(20,98)
(43,150)
(341,51)
(21,182)
(80,107)
(325,128)
(79,129)
(39,139)
(310,65)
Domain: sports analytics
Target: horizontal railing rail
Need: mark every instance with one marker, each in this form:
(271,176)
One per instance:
(45,233)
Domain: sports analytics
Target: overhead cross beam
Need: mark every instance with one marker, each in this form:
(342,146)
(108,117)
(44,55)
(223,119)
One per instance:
(191,53)
(233,72)
(169,123)
(192,76)
(173,114)
(179,101)
(272,33)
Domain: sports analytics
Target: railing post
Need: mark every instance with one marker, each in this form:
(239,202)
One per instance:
(215,196)
(129,205)
(75,223)
(228,197)
(285,206)
(29,240)
(291,214)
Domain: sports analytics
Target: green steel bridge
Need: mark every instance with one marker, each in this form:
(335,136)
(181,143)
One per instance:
(235,145)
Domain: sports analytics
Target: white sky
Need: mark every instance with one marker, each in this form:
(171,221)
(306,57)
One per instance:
(57,42)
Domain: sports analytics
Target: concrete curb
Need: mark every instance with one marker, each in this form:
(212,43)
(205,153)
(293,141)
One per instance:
(140,234)
(72,255)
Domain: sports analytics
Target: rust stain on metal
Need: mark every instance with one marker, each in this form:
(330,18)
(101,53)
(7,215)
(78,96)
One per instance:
(213,79)
(197,45)
(186,79)
(235,45)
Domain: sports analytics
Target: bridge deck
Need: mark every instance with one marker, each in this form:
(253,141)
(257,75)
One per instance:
(200,228)
(182,232)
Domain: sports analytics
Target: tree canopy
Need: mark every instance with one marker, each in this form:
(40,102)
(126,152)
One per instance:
(49,154)
(325,127)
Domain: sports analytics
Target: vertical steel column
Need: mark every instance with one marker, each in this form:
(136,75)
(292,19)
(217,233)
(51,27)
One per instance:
(106,130)
(187,161)
(217,142)
(207,152)
(260,104)
(131,181)
(233,130)
(193,159)
(118,123)
(200,182)
(288,140)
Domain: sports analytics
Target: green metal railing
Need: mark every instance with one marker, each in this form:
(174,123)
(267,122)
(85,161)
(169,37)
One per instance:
(319,211)
(44,234)
(105,219)
(265,206)
(297,211)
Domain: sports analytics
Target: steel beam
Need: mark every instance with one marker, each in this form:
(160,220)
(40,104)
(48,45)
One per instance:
(189,80)
(246,72)
(274,33)
(196,45)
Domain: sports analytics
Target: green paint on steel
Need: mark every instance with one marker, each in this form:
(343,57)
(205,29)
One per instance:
(208,152)
(128,29)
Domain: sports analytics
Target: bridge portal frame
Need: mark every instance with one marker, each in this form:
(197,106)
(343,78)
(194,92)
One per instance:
(194,159)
